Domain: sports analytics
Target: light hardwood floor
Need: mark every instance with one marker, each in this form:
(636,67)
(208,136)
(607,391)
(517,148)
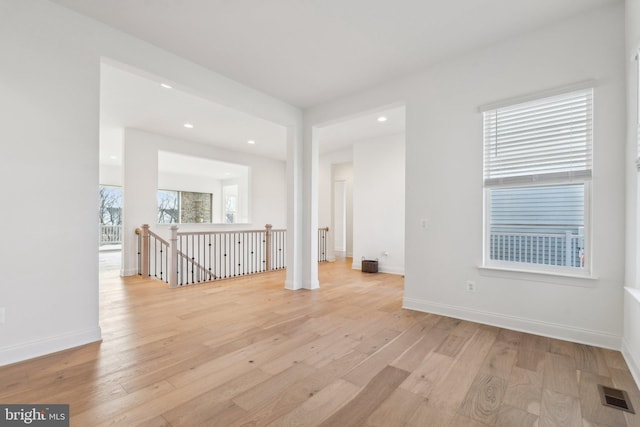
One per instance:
(247,352)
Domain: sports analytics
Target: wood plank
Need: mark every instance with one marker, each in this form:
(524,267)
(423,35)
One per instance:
(276,384)
(560,374)
(397,410)
(590,359)
(524,390)
(559,410)
(511,417)
(427,415)
(320,407)
(452,345)
(199,409)
(374,393)
(484,398)
(614,359)
(500,360)
(427,375)
(413,357)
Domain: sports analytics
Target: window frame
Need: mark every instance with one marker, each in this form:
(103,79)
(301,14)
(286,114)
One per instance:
(586,181)
(585,271)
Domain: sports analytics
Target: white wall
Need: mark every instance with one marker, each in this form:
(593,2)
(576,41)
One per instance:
(268,189)
(344,172)
(50,170)
(379,202)
(631,344)
(49,102)
(325,192)
(444,178)
(111,175)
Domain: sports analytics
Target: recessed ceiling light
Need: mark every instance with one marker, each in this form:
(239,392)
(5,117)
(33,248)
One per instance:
(251,141)
(166,86)
(227,173)
(113,157)
(382,119)
(188,125)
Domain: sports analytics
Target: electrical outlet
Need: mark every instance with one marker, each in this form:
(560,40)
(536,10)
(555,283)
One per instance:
(424,223)
(2,315)
(471,286)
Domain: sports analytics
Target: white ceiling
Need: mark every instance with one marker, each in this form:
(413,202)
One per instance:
(129,100)
(303,52)
(341,135)
(307,52)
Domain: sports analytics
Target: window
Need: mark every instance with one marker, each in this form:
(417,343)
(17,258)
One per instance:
(184,207)
(537,171)
(204,190)
(110,215)
(230,194)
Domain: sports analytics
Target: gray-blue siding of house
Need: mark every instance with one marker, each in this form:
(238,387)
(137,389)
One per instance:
(526,213)
(538,210)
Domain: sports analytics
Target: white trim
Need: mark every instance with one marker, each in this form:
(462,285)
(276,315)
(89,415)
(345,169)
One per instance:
(311,284)
(586,84)
(631,363)
(634,292)
(392,270)
(557,277)
(382,269)
(129,272)
(531,326)
(36,348)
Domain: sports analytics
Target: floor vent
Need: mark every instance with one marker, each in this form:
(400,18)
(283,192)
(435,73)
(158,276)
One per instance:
(614,398)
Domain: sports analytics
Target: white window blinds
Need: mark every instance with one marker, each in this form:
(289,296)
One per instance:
(545,140)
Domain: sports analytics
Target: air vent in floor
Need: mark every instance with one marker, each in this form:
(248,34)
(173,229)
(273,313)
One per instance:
(614,398)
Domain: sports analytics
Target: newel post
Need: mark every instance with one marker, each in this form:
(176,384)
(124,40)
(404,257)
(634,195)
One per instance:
(173,257)
(267,239)
(145,250)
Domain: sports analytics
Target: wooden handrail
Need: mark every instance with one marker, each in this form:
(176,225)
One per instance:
(152,234)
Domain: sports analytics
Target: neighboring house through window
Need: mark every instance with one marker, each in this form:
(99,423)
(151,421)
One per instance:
(537,172)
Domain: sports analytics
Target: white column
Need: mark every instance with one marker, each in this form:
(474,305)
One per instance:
(295,244)
(310,192)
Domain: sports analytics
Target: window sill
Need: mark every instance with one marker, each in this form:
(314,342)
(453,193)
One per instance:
(586,280)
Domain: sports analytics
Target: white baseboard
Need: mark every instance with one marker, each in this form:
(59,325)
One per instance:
(382,269)
(537,327)
(392,270)
(30,349)
(291,285)
(129,272)
(633,366)
(308,284)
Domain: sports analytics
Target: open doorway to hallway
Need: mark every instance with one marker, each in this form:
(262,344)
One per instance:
(361,187)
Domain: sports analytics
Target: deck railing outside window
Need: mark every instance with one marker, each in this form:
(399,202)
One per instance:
(110,234)
(556,249)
